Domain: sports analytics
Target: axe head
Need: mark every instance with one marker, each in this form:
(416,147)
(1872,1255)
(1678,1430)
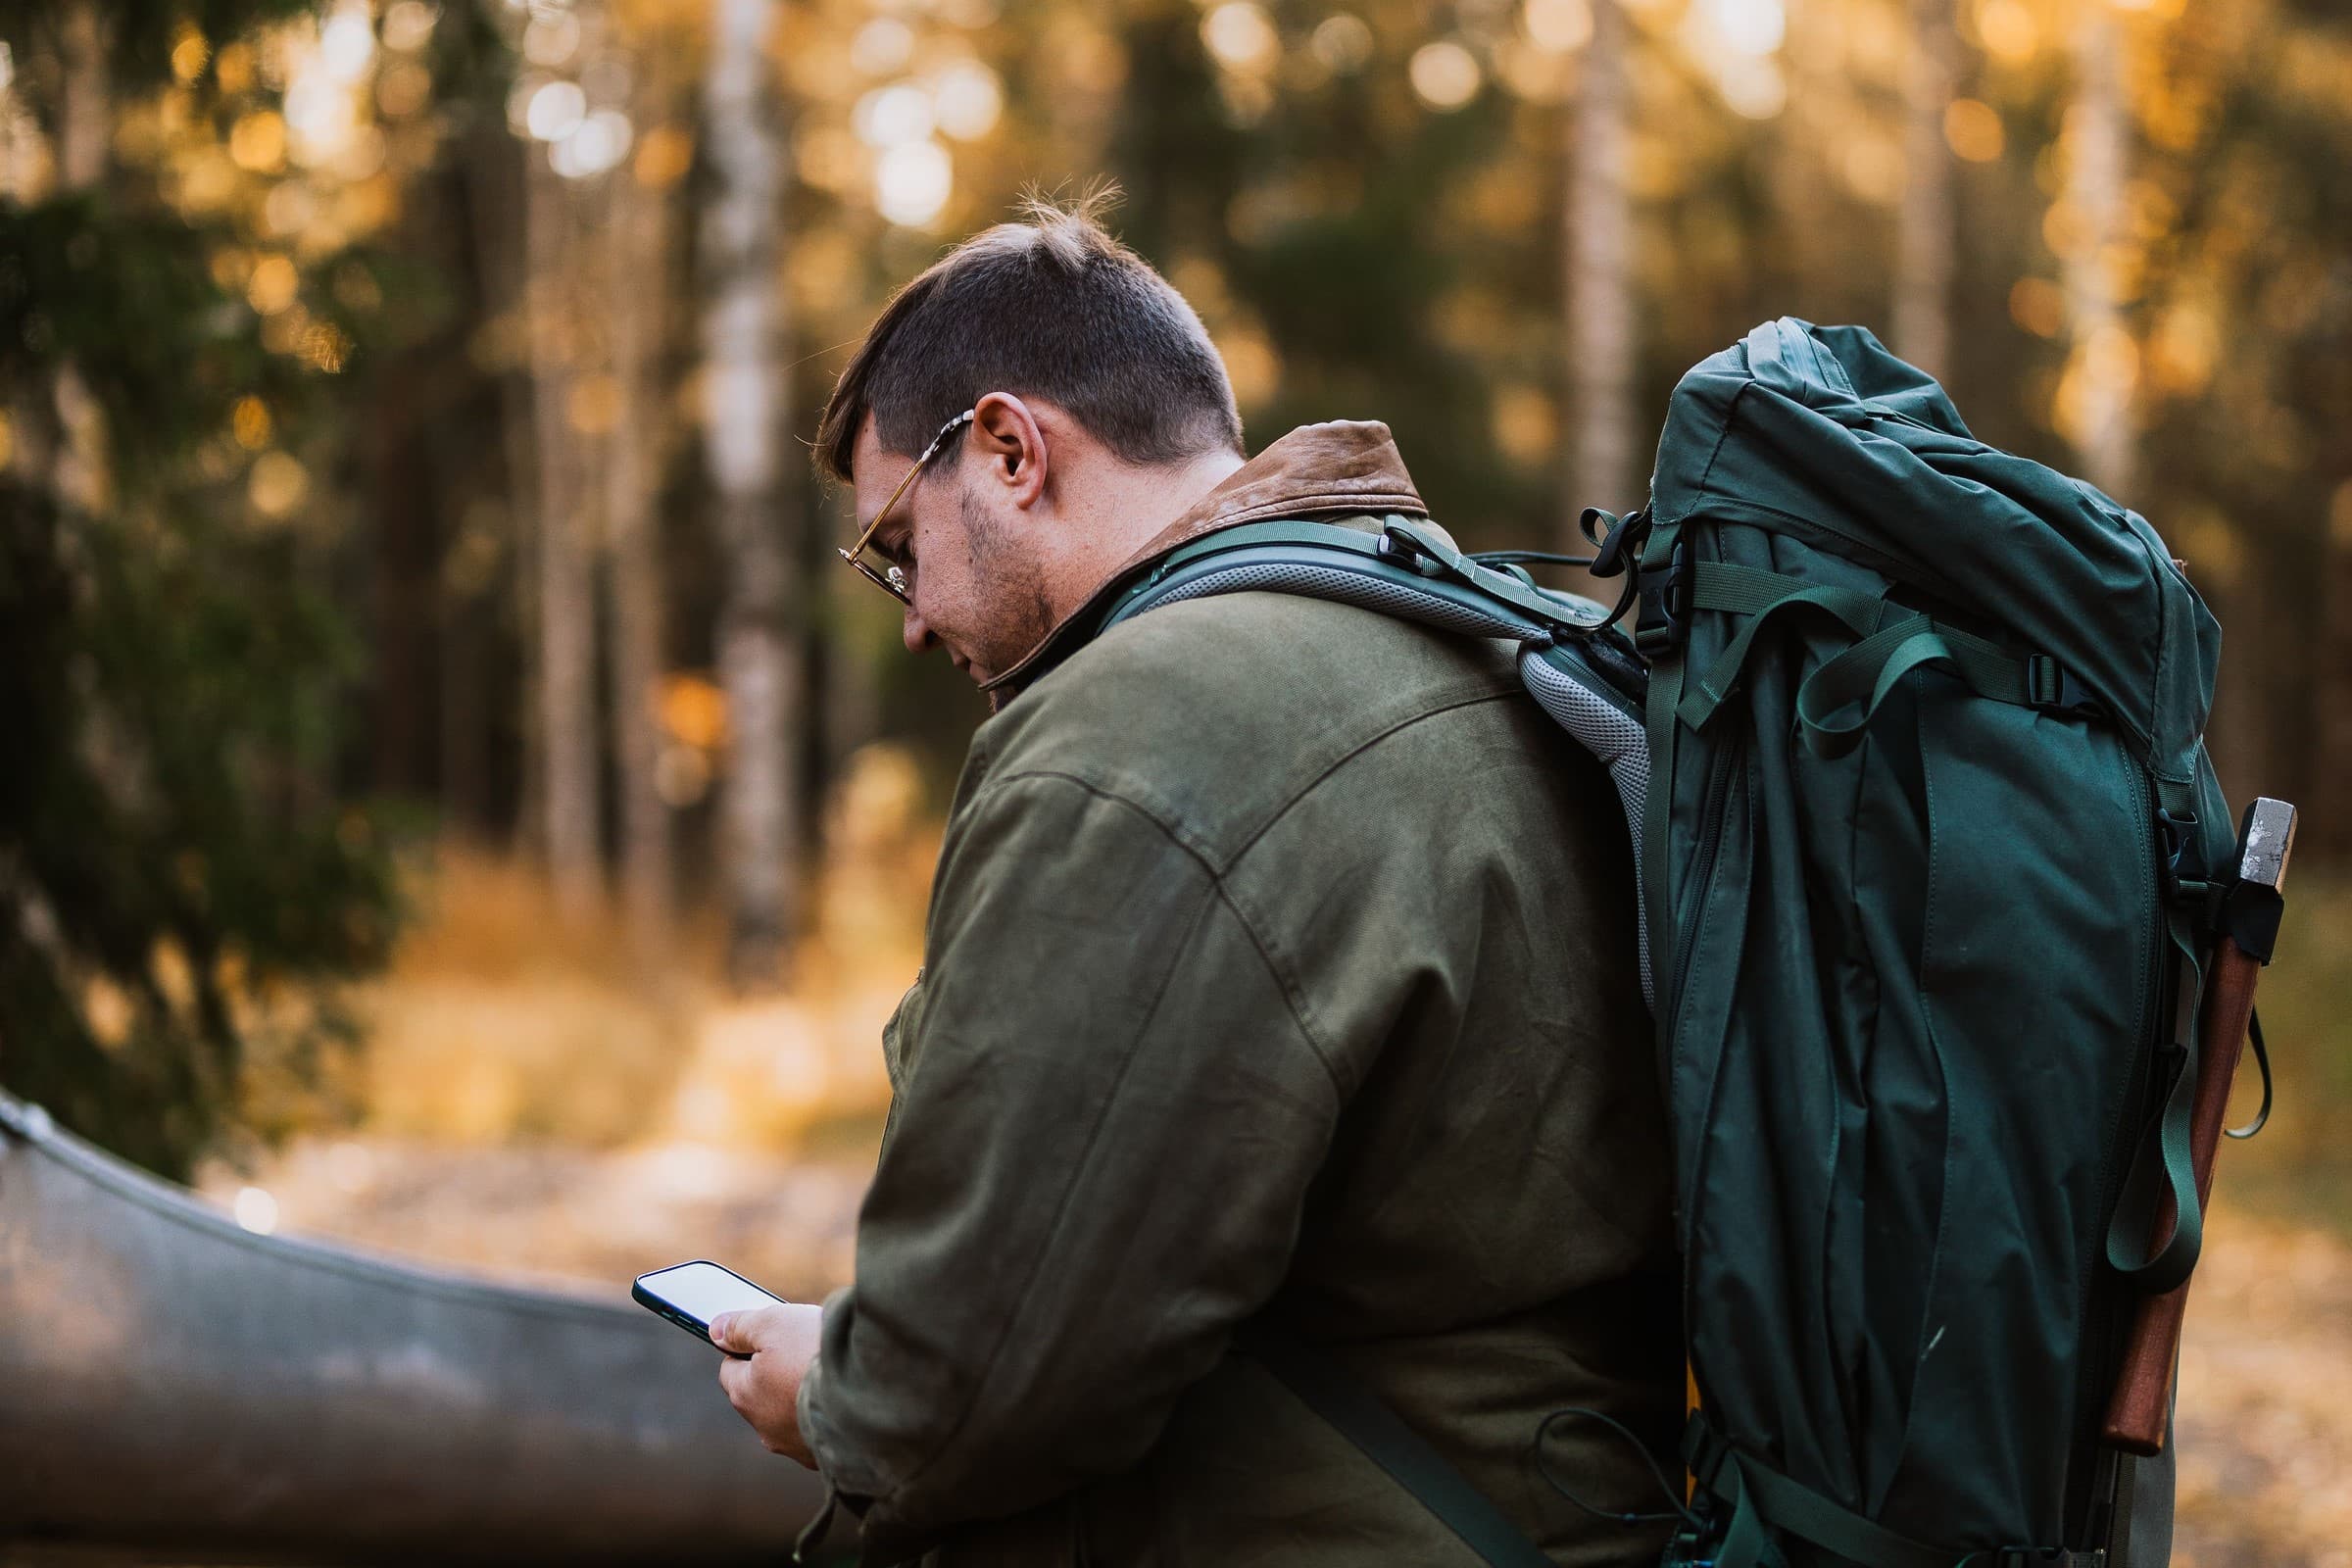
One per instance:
(2265,840)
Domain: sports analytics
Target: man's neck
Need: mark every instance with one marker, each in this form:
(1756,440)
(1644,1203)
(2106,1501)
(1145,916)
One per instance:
(1129,509)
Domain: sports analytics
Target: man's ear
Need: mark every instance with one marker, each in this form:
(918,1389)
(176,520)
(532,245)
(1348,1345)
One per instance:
(1012,447)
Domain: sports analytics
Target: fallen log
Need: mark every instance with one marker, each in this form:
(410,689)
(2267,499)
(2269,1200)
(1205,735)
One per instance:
(176,1389)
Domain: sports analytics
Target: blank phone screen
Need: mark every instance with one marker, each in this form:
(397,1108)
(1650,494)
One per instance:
(703,1290)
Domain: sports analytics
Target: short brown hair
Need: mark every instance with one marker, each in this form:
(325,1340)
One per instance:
(1050,307)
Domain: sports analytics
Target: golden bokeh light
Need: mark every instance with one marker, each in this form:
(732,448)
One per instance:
(277,484)
(257,142)
(693,711)
(1558,26)
(663,155)
(913,184)
(2038,306)
(409,24)
(403,89)
(1343,41)
(1972,130)
(2009,31)
(593,406)
(1241,37)
(1526,423)
(1444,75)
(1250,364)
(272,285)
(250,423)
(189,54)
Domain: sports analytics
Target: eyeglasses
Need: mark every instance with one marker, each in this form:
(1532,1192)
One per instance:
(891,580)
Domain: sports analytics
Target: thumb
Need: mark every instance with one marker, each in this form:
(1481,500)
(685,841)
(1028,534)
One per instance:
(727,1333)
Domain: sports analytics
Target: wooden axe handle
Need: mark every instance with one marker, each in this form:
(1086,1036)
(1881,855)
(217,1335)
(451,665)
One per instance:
(2135,1416)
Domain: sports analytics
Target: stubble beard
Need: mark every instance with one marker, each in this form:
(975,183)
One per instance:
(1014,613)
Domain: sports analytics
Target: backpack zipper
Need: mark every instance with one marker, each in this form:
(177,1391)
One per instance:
(1703,873)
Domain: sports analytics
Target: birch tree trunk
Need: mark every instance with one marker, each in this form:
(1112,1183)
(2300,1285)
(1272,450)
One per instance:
(2104,363)
(1600,286)
(743,421)
(567,641)
(637,234)
(1922,247)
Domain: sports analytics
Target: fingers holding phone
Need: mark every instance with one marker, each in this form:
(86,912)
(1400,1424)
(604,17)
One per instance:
(770,1349)
(769,1343)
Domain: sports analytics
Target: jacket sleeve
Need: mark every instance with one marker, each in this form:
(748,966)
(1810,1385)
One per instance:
(1108,1118)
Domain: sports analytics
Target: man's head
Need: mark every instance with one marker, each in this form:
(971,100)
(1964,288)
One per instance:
(1100,410)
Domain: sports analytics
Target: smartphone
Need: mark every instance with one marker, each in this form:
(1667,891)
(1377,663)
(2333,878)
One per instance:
(691,1294)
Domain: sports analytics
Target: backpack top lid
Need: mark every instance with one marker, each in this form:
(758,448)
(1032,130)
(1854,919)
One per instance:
(1820,431)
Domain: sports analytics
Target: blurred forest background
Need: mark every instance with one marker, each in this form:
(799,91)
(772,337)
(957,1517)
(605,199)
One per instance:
(453,796)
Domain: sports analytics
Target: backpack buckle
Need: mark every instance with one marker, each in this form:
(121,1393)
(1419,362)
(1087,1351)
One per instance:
(2056,689)
(2184,871)
(1398,545)
(1664,596)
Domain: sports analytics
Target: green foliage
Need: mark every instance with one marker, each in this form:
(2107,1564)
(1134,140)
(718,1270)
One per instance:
(1351,274)
(181,886)
(127,299)
(178,885)
(139,33)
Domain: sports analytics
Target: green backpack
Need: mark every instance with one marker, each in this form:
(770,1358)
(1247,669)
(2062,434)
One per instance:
(1909,735)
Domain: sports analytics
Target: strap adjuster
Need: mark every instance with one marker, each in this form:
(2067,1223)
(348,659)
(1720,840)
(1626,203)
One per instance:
(2051,686)
(1663,594)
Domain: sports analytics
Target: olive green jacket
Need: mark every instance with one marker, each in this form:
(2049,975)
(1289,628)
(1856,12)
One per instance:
(1280,962)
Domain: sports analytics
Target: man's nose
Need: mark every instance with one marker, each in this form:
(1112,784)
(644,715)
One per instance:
(917,636)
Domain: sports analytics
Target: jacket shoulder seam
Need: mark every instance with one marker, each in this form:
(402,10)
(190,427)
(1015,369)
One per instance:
(1294,995)
(1339,763)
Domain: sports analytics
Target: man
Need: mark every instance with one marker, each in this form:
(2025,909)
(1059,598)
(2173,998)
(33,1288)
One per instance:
(1280,969)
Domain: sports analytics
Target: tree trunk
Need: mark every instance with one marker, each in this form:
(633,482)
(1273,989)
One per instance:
(1805,217)
(566,577)
(2104,364)
(637,234)
(85,109)
(743,421)
(475,792)
(1922,248)
(59,434)
(2330,693)
(1600,286)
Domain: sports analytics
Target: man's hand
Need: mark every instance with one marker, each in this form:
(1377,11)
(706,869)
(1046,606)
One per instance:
(766,1391)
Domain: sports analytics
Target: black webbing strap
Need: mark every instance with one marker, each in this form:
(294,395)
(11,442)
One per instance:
(1762,1500)
(1340,1398)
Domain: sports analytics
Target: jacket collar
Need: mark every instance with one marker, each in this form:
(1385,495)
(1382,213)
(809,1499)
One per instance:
(1345,466)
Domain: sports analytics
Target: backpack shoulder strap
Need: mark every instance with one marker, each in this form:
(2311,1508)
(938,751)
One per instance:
(1406,570)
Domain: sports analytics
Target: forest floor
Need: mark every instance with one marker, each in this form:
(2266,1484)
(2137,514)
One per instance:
(2265,1376)
(524,1109)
